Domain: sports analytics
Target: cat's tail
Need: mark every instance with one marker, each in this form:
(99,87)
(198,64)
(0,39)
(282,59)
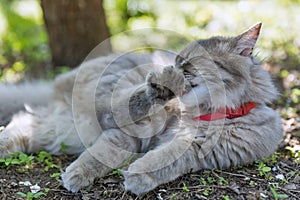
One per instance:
(14,98)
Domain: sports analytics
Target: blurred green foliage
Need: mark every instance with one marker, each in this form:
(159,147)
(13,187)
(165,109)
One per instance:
(24,46)
(279,43)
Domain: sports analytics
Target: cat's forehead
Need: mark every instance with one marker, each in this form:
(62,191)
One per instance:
(191,50)
(216,43)
(204,48)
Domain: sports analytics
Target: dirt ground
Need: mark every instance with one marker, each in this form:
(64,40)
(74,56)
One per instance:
(275,178)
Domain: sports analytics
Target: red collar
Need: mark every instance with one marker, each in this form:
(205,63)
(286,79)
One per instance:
(227,113)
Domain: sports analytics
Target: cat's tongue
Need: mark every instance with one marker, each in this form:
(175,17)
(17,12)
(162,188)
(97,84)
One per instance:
(180,93)
(185,90)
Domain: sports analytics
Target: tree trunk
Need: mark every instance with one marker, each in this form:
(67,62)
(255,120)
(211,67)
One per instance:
(74,27)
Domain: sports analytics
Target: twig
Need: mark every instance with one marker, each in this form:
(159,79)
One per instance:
(289,192)
(4,195)
(297,191)
(200,196)
(241,175)
(232,174)
(71,194)
(65,193)
(286,166)
(123,194)
(202,186)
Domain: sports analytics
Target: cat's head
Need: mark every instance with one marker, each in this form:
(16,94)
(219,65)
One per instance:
(222,72)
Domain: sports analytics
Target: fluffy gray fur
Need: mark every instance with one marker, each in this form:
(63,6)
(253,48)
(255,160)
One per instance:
(106,112)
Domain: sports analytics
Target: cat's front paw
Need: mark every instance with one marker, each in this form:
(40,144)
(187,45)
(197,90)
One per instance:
(173,79)
(165,85)
(138,183)
(76,177)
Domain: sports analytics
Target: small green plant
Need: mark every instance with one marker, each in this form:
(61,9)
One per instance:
(42,156)
(18,158)
(50,164)
(63,148)
(30,195)
(253,183)
(284,181)
(294,174)
(116,172)
(222,181)
(274,158)
(264,170)
(225,197)
(45,157)
(25,162)
(55,175)
(203,181)
(206,191)
(173,197)
(294,153)
(276,195)
(211,180)
(7,162)
(128,161)
(185,188)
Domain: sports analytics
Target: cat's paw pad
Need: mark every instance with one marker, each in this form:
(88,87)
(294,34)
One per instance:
(138,183)
(166,84)
(75,178)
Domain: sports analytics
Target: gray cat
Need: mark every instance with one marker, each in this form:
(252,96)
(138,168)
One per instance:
(206,110)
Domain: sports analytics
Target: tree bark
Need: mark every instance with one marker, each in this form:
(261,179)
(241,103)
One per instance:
(75,27)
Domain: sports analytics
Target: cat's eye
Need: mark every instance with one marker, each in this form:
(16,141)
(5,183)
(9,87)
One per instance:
(220,65)
(180,62)
(183,62)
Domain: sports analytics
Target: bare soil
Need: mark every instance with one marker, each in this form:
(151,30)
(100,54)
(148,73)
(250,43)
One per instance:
(244,182)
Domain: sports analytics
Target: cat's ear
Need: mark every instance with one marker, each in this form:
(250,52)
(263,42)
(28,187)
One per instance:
(246,41)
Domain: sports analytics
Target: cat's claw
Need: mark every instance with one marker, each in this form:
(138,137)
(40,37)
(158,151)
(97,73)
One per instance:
(169,80)
(75,178)
(138,183)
